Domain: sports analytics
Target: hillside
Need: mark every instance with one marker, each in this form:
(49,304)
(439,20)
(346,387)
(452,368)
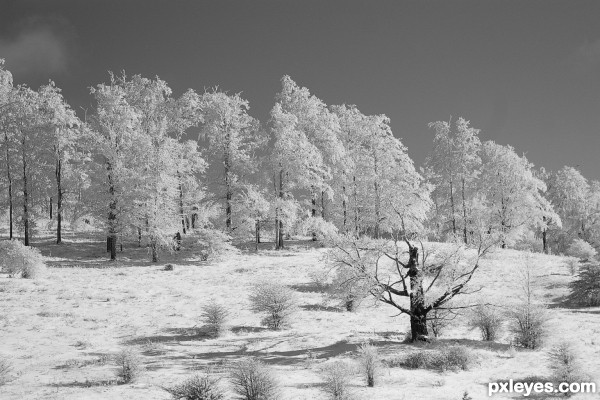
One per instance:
(60,331)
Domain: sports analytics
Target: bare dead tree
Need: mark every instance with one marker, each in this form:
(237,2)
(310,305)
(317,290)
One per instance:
(391,271)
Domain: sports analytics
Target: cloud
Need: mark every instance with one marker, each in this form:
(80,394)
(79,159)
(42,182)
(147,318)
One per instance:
(586,57)
(36,47)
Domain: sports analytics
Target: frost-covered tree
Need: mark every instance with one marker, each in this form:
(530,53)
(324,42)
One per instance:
(322,129)
(233,138)
(512,194)
(6,101)
(574,200)
(453,167)
(117,136)
(62,132)
(160,166)
(379,186)
(296,164)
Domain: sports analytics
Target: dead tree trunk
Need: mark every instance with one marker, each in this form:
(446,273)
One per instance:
(418,316)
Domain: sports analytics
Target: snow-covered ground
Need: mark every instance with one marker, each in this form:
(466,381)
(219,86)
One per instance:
(59,331)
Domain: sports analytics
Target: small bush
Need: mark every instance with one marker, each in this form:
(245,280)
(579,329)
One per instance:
(252,380)
(370,362)
(585,290)
(573,265)
(5,372)
(564,364)
(198,387)
(581,249)
(320,279)
(130,366)
(488,320)
(529,325)
(216,245)
(169,267)
(18,259)
(214,317)
(443,359)
(337,381)
(277,301)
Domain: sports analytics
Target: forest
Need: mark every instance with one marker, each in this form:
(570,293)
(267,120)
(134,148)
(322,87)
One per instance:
(193,183)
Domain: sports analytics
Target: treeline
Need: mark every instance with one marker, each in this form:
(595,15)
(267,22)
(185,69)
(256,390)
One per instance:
(145,164)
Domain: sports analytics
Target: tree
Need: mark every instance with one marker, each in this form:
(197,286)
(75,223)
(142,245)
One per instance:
(6,101)
(62,132)
(322,129)
(380,188)
(116,136)
(295,164)
(570,195)
(389,272)
(511,193)
(27,122)
(453,167)
(233,137)
(160,166)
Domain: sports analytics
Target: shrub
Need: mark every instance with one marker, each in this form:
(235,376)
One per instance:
(130,366)
(573,265)
(564,363)
(370,362)
(585,290)
(320,279)
(18,259)
(528,323)
(5,372)
(252,380)
(214,317)
(215,244)
(488,320)
(169,267)
(337,381)
(581,249)
(277,301)
(443,359)
(198,387)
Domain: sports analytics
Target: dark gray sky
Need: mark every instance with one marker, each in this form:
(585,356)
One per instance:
(526,72)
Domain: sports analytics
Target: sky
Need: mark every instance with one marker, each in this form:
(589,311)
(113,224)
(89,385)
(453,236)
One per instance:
(527,73)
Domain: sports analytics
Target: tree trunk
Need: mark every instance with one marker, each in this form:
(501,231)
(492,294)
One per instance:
(228,189)
(344,209)
(355,195)
(25,197)
(544,237)
(418,316)
(9,179)
(280,230)
(464,206)
(452,208)
(376,232)
(314,211)
(181,212)
(323,215)
(418,327)
(59,199)
(154,251)
(50,206)
(112,216)
(256,234)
